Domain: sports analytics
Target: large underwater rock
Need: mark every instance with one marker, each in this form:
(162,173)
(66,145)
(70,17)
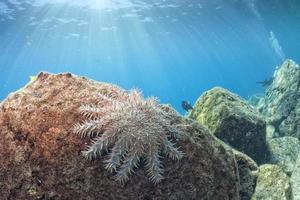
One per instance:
(295,180)
(247,170)
(40,156)
(281,104)
(247,173)
(284,152)
(233,120)
(272,184)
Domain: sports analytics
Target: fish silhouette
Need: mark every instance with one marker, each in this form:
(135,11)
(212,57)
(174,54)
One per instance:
(186,106)
(266,82)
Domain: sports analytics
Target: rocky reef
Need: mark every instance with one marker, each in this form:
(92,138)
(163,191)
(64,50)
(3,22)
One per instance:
(281,105)
(68,137)
(233,120)
(266,129)
(272,183)
(284,152)
(295,180)
(40,153)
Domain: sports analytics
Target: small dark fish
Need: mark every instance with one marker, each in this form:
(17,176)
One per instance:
(266,82)
(186,106)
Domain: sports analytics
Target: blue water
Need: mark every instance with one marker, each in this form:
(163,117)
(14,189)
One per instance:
(172,49)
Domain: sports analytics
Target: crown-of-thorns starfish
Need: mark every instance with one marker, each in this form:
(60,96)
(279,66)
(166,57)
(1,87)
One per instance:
(129,128)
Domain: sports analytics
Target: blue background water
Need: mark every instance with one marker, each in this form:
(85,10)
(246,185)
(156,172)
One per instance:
(172,49)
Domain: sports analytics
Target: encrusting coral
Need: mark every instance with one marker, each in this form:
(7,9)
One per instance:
(129,129)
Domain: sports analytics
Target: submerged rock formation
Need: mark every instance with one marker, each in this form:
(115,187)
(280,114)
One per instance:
(234,121)
(272,184)
(40,155)
(281,104)
(295,180)
(248,175)
(284,152)
(281,108)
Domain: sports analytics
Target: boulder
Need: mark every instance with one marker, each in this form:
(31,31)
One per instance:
(281,103)
(247,169)
(272,184)
(248,174)
(40,155)
(284,152)
(233,120)
(295,180)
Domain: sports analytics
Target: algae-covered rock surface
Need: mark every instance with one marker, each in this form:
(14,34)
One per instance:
(233,120)
(284,152)
(272,184)
(40,155)
(295,180)
(247,174)
(281,104)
